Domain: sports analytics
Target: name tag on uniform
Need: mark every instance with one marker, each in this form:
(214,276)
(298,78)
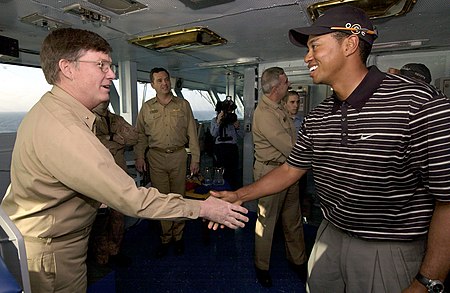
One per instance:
(153,111)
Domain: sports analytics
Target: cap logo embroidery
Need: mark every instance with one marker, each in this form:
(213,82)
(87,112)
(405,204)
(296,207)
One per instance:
(355,29)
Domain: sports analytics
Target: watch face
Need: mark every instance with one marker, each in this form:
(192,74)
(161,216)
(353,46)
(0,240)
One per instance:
(436,288)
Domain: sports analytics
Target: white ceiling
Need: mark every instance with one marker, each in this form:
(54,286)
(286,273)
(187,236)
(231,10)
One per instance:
(253,28)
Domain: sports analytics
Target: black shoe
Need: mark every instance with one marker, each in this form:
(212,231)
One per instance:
(162,250)
(179,247)
(263,277)
(300,270)
(120,260)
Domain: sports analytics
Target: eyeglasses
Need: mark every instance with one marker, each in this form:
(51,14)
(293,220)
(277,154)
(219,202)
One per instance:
(102,64)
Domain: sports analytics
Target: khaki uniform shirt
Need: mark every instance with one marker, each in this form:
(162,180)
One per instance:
(169,126)
(273,132)
(60,172)
(115,133)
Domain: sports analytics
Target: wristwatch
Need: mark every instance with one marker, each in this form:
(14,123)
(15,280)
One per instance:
(433,286)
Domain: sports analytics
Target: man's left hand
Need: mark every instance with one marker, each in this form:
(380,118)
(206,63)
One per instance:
(195,166)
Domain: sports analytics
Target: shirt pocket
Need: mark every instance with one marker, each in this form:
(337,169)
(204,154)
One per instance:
(152,121)
(178,120)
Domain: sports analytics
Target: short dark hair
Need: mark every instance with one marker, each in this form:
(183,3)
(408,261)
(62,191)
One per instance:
(69,44)
(157,70)
(290,93)
(363,47)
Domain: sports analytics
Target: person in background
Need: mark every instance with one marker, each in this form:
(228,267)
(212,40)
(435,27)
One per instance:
(115,133)
(417,71)
(166,125)
(291,103)
(61,172)
(381,163)
(225,130)
(273,138)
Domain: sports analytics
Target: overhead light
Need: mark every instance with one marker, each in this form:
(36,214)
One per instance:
(119,6)
(87,14)
(400,44)
(44,22)
(231,63)
(178,40)
(297,72)
(199,4)
(374,8)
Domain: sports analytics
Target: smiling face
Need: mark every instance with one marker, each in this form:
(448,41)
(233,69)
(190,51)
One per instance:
(90,84)
(161,83)
(325,58)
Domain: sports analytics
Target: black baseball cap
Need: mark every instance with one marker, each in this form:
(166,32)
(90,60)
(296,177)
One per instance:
(417,71)
(344,18)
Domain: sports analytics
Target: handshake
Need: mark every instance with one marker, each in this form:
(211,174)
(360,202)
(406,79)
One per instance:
(228,213)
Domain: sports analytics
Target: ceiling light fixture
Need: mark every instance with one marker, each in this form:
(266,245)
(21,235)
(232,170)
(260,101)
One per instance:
(178,40)
(231,63)
(400,44)
(374,8)
(200,4)
(119,6)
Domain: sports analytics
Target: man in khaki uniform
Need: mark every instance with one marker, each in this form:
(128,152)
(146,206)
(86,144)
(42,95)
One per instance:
(166,125)
(273,137)
(115,133)
(61,172)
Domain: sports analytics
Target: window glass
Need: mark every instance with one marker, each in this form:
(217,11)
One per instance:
(200,101)
(21,87)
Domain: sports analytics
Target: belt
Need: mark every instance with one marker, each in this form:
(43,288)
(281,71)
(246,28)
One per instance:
(272,163)
(168,150)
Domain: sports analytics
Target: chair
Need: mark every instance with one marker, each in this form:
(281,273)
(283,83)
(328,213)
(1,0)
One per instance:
(13,256)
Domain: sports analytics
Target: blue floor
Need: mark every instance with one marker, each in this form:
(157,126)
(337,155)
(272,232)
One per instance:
(222,264)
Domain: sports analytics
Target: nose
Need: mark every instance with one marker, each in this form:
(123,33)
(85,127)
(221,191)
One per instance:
(308,57)
(111,74)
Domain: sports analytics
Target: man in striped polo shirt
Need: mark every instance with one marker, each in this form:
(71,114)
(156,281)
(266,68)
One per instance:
(379,148)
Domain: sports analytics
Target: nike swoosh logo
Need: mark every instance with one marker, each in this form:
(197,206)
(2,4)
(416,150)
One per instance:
(366,136)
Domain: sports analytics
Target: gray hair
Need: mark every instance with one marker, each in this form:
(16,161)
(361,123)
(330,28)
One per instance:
(270,78)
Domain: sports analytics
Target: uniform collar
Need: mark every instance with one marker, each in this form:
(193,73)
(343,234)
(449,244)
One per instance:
(271,103)
(363,91)
(83,113)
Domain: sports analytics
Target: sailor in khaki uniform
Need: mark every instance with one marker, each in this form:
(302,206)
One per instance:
(115,133)
(61,172)
(166,125)
(273,137)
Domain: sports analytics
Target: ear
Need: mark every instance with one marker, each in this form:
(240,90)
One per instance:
(351,45)
(66,68)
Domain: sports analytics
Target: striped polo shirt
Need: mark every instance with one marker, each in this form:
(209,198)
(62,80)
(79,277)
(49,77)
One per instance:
(381,158)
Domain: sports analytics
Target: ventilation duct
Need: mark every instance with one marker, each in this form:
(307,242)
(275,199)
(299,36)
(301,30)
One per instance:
(374,8)
(196,37)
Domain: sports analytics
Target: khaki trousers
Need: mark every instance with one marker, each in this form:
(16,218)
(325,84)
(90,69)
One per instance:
(342,263)
(58,265)
(284,205)
(168,175)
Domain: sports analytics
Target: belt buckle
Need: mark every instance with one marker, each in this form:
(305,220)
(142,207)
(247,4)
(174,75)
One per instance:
(169,151)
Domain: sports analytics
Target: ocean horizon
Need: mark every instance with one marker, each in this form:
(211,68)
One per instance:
(10,121)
